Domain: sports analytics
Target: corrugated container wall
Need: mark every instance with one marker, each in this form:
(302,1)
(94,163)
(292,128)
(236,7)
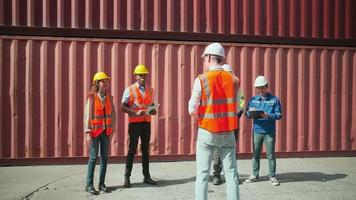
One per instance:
(294,18)
(50,50)
(45,84)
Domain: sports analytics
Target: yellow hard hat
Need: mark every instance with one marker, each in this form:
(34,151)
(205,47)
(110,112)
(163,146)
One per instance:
(100,76)
(141,69)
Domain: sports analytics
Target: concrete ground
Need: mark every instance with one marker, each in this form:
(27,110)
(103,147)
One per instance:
(301,178)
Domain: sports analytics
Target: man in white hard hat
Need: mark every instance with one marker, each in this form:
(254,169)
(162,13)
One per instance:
(264,109)
(214,103)
(217,164)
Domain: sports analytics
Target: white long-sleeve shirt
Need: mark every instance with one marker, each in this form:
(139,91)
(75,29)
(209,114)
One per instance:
(194,101)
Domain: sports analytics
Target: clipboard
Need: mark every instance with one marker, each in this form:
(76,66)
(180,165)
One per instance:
(150,108)
(256,113)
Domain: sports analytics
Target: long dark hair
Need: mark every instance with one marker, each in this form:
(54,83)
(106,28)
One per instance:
(94,89)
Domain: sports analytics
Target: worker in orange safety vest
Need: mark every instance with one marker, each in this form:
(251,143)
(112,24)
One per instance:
(99,121)
(136,101)
(214,101)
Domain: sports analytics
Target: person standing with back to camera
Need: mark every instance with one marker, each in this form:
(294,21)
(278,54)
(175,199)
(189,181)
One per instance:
(214,103)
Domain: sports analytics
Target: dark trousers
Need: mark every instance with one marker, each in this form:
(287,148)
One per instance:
(217,164)
(103,141)
(140,130)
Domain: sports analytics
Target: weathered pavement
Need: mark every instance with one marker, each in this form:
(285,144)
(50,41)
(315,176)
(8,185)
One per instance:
(301,178)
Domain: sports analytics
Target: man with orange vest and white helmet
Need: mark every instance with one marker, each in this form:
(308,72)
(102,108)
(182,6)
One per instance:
(135,101)
(214,102)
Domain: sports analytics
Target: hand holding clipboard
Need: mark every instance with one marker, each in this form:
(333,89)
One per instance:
(152,110)
(255,114)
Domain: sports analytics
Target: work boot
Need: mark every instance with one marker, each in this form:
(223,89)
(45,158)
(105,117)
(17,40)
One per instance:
(91,190)
(103,188)
(217,180)
(148,180)
(127,183)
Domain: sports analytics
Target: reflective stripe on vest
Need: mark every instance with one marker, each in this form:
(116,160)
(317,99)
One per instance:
(217,111)
(240,98)
(218,101)
(101,126)
(138,102)
(217,115)
(101,116)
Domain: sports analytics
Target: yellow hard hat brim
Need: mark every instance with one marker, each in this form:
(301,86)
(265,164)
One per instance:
(101,79)
(138,73)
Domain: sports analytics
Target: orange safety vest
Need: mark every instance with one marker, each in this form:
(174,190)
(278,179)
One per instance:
(217,111)
(138,102)
(101,116)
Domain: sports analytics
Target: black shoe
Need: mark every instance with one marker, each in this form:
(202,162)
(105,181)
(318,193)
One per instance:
(127,183)
(148,180)
(217,180)
(91,190)
(103,188)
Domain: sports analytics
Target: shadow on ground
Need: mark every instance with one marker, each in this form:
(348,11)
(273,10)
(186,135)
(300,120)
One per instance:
(283,178)
(160,183)
(306,176)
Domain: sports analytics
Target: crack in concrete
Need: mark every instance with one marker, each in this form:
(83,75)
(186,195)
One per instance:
(30,195)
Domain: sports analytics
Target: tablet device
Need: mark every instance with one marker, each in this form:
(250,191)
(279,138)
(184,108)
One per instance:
(152,107)
(256,113)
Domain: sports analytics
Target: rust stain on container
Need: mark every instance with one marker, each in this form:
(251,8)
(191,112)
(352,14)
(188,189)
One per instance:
(45,82)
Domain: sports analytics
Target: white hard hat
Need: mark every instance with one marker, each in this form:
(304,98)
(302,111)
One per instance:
(260,81)
(214,49)
(227,67)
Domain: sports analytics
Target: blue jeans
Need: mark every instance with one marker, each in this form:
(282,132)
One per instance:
(269,140)
(103,140)
(207,143)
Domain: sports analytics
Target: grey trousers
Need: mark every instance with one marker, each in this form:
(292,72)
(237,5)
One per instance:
(217,164)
